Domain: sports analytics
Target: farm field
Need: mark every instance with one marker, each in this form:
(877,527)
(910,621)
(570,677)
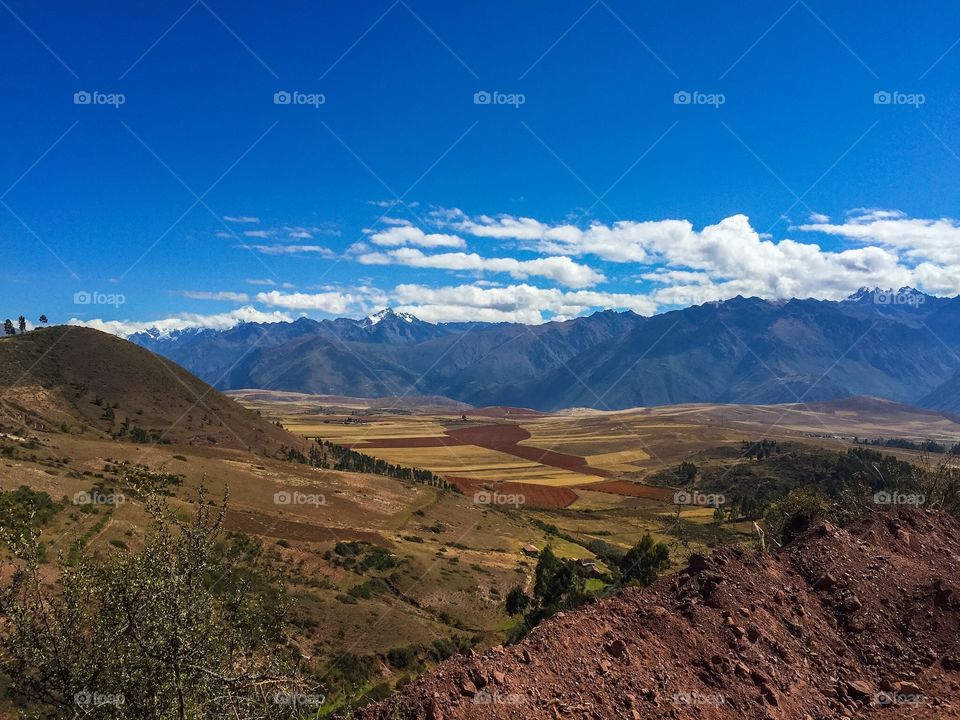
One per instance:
(583,452)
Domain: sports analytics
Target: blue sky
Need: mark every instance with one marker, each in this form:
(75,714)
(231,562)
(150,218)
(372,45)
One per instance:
(586,182)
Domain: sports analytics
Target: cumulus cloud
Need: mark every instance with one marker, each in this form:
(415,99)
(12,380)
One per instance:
(335,302)
(513,303)
(730,257)
(562,270)
(935,241)
(219,321)
(404,234)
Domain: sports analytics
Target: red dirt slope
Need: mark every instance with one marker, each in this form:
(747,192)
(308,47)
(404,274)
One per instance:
(850,623)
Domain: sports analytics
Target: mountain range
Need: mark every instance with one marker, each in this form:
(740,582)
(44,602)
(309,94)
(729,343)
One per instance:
(902,346)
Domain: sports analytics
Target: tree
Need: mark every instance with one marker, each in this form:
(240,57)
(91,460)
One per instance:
(644,561)
(169,632)
(8,328)
(22,322)
(517,601)
(43,320)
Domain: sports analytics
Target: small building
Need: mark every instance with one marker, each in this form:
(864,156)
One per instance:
(530,550)
(589,567)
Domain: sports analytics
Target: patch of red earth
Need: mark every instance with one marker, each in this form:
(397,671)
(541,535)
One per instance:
(630,489)
(542,496)
(850,623)
(505,437)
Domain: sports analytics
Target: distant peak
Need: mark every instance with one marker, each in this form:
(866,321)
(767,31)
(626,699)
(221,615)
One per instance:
(386,313)
(904,296)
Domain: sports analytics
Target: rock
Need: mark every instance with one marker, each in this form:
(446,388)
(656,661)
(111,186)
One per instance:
(499,678)
(468,689)
(825,582)
(617,648)
(859,689)
(697,562)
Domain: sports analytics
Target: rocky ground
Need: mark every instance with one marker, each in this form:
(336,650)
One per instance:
(842,623)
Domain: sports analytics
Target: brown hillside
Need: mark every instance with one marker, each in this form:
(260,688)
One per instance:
(52,378)
(849,623)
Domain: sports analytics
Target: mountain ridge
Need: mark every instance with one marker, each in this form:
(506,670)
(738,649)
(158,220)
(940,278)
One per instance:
(902,346)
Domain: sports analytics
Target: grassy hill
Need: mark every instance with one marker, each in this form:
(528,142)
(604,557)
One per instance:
(82,381)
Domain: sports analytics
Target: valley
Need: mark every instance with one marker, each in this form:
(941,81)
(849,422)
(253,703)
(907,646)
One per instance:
(388,576)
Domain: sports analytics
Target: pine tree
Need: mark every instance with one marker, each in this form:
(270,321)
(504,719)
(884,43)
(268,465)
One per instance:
(22,322)
(8,328)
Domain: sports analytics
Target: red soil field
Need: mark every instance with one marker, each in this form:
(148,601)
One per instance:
(625,487)
(543,496)
(504,438)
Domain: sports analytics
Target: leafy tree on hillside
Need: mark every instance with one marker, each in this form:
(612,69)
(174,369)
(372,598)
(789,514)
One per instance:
(517,601)
(8,327)
(22,322)
(644,561)
(43,320)
(171,632)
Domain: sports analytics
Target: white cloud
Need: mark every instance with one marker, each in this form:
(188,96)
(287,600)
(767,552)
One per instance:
(918,240)
(403,234)
(259,233)
(260,281)
(219,321)
(562,270)
(241,219)
(335,302)
(222,295)
(731,258)
(513,303)
(292,250)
